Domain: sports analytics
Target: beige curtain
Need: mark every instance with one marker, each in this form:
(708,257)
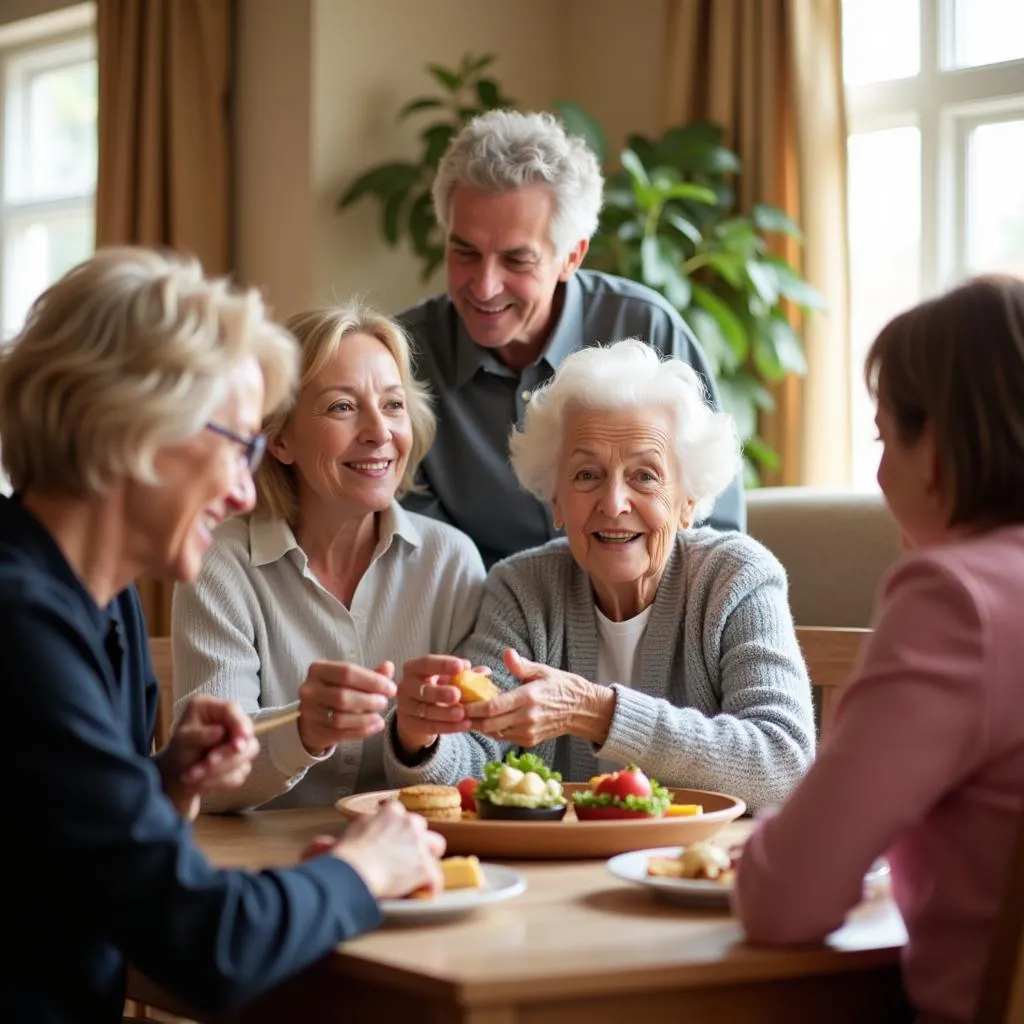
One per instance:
(164,144)
(770,72)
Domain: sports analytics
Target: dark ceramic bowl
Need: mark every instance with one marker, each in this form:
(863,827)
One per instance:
(496,812)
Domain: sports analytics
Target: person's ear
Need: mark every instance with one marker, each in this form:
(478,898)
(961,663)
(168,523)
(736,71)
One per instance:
(556,514)
(686,516)
(572,262)
(279,447)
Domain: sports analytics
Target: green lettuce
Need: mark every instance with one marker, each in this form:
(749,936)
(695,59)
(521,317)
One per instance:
(525,762)
(657,803)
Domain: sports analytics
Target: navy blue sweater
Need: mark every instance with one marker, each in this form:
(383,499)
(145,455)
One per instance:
(98,866)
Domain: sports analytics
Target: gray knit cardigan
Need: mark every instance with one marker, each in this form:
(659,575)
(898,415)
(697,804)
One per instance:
(722,701)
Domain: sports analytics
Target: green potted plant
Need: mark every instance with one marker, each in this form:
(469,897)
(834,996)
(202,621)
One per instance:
(669,221)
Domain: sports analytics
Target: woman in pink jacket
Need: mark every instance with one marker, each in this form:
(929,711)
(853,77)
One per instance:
(926,760)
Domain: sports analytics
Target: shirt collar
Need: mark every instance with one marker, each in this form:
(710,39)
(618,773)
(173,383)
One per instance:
(564,340)
(272,539)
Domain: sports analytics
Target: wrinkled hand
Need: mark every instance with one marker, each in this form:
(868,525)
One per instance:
(428,704)
(212,748)
(550,703)
(391,851)
(339,701)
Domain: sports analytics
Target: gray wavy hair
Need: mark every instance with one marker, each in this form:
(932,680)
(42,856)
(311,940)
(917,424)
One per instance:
(628,375)
(504,150)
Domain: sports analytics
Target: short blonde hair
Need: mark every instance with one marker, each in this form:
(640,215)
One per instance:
(128,352)
(956,363)
(320,333)
(628,375)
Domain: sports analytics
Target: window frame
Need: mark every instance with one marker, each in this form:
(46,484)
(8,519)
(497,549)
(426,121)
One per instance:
(41,44)
(945,103)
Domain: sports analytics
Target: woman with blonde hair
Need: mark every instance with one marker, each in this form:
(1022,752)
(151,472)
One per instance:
(317,595)
(130,407)
(925,760)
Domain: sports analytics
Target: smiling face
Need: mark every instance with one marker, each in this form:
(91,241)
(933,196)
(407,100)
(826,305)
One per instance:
(620,501)
(203,481)
(349,436)
(501,267)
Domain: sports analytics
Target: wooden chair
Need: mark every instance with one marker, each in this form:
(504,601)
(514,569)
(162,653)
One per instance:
(160,655)
(831,655)
(1002,990)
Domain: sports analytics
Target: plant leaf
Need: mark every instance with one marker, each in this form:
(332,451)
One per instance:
(697,149)
(719,352)
(579,121)
(694,193)
(686,228)
(392,211)
(770,218)
(426,103)
(470,65)
(422,224)
(788,347)
(793,287)
(762,277)
(732,327)
(631,162)
(432,260)
(381,181)
(451,80)
(488,94)
(761,453)
(728,266)
(436,139)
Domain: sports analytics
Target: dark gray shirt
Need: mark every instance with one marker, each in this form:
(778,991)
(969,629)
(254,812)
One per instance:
(467,478)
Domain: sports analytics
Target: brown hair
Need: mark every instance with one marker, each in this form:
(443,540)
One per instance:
(320,333)
(956,362)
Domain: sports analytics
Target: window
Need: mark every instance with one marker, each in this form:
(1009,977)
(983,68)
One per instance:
(48,103)
(935,102)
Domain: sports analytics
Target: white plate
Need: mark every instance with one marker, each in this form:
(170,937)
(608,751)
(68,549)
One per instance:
(502,884)
(693,892)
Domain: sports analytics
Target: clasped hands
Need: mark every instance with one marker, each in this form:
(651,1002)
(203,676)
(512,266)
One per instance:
(549,703)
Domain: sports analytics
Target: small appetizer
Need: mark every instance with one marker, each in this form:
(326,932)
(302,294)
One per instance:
(474,686)
(701,860)
(521,788)
(458,873)
(439,803)
(624,794)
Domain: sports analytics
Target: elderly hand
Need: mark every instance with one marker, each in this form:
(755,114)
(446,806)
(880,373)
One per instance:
(551,703)
(212,747)
(340,701)
(428,704)
(391,851)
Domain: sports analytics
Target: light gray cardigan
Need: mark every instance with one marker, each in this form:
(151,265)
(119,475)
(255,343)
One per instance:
(722,701)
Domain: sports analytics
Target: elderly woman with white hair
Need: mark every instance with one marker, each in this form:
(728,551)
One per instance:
(638,638)
(130,407)
(314,598)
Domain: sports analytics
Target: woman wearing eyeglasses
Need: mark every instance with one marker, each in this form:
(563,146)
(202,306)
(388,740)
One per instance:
(129,409)
(330,583)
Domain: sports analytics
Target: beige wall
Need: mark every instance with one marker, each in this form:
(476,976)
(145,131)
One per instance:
(364,60)
(16,10)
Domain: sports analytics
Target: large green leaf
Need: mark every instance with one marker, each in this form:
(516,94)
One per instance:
(436,139)
(389,217)
(697,148)
(788,348)
(451,80)
(733,330)
(771,218)
(644,149)
(737,235)
(381,181)
(471,64)
(762,279)
(694,193)
(719,352)
(728,265)
(685,227)
(422,224)
(796,289)
(433,257)
(760,452)
(426,103)
(488,93)
(579,121)
(631,162)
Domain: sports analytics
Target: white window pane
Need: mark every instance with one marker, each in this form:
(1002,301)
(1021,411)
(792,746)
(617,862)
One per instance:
(987,32)
(36,253)
(884,169)
(995,198)
(881,40)
(59,156)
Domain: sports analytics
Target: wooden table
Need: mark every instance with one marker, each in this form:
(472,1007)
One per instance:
(578,946)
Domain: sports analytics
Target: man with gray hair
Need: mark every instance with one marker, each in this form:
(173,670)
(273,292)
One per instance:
(518,200)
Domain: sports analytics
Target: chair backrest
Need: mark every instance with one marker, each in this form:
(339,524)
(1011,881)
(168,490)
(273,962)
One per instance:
(831,656)
(1001,1000)
(160,655)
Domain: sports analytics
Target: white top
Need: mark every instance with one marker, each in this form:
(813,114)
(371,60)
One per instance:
(257,617)
(618,644)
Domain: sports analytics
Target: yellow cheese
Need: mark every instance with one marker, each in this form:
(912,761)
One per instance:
(474,686)
(683,810)
(462,873)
